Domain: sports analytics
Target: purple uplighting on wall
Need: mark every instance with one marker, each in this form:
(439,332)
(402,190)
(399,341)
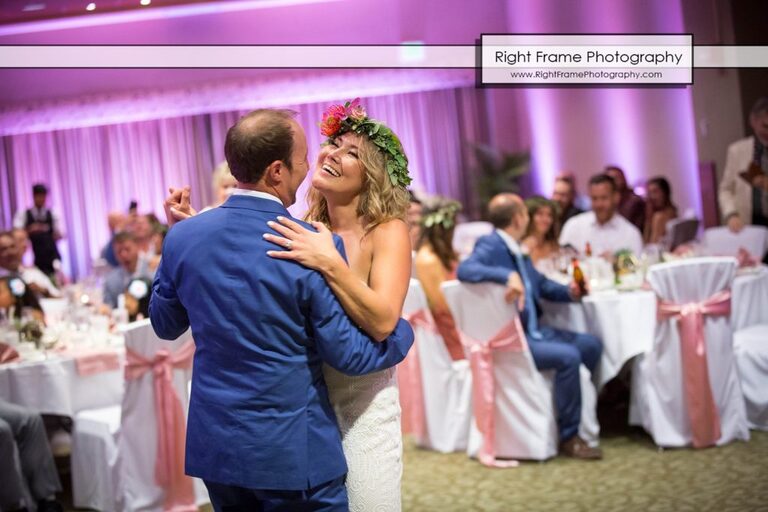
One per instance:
(645,131)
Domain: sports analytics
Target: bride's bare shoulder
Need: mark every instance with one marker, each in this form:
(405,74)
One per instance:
(391,231)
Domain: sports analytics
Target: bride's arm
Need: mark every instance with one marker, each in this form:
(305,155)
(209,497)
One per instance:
(375,308)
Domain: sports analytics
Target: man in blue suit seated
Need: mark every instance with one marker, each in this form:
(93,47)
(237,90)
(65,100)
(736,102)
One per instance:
(498,258)
(261,432)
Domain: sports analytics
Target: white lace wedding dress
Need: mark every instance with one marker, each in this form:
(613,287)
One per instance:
(368,411)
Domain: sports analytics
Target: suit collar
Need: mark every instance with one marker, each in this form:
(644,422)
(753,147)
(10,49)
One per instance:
(249,202)
(510,243)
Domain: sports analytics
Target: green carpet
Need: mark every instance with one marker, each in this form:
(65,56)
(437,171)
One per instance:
(633,476)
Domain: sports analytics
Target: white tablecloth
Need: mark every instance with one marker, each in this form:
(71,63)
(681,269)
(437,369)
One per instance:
(626,321)
(53,386)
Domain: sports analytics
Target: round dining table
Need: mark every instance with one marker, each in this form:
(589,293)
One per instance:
(625,321)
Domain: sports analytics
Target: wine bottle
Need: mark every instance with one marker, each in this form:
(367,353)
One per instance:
(578,277)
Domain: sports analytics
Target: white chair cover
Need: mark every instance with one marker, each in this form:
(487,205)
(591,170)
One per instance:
(446,384)
(114,448)
(722,242)
(750,346)
(466,234)
(138,438)
(525,421)
(94,458)
(658,400)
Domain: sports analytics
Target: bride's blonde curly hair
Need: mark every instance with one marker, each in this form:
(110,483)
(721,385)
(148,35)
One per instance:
(380,201)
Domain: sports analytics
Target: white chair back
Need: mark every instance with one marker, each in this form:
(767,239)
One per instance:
(446,384)
(524,416)
(722,242)
(466,234)
(139,428)
(658,386)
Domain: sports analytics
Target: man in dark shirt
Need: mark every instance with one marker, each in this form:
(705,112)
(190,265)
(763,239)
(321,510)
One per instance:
(43,228)
(631,206)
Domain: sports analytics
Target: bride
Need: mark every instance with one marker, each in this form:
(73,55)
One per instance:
(359,192)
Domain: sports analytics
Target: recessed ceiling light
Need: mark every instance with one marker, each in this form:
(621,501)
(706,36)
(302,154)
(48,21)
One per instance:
(33,7)
(91,7)
(146,2)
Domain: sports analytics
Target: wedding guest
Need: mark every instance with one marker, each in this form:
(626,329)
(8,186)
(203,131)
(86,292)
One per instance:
(143,231)
(741,202)
(631,206)
(659,210)
(222,185)
(12,248)
(603,228)
(564,194)
(414,219)
(540,238)
(28,463)
(436,263)
(132,265)
(137,295)
(44,228)
(498,258)
(116,222)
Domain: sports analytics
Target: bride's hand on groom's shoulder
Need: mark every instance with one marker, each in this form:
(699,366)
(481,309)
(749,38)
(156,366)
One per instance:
(315,250)
(177,206)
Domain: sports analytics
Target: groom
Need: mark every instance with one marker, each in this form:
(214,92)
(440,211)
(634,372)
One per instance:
(261,431)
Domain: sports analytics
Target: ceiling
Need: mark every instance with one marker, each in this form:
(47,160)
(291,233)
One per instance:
(20,11)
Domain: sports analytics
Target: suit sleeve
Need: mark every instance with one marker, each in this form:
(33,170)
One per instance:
(166,312)
(345,346)
(480,266)
(550,289)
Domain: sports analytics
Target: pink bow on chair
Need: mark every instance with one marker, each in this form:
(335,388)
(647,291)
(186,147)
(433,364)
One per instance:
(8,354)
(702,411)
(409,378)
(510,338)
(171,423)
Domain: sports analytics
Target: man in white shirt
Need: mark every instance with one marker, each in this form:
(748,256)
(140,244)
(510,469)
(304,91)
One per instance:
(602,228)
(10,264)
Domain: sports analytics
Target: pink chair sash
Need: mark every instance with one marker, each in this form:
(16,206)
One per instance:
(510,338)
(171,422)
(8,354)
(702,411)
(410,383)
(96,361)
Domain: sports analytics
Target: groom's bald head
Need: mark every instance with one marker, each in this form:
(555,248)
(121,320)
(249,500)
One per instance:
(258,139)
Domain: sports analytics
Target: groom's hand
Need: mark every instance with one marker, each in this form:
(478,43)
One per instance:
(177,206)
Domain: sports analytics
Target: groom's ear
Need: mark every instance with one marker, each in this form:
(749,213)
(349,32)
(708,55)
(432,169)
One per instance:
(275,172)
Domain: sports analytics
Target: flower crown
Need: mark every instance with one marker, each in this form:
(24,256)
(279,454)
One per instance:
(444,214)
(352,117)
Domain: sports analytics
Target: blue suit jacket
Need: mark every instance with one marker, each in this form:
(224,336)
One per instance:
(259,415)
(491,260)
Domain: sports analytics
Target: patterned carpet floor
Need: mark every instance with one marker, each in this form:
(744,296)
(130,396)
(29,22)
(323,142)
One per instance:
(633,476)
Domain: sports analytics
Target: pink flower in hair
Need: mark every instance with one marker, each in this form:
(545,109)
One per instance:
(330,125)
(337,111)
(357,113)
